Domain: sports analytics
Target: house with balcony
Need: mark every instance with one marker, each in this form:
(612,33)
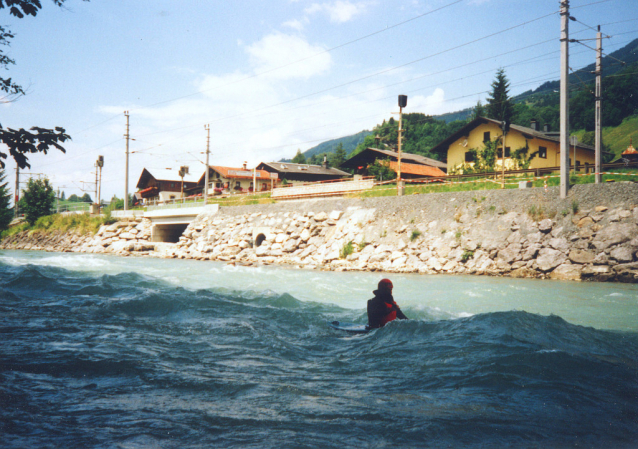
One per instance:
(227,180)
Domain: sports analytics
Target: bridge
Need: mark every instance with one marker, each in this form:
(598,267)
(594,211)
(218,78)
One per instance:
(169,221)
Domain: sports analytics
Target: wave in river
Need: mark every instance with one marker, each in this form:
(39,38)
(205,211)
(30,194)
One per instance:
(127,360)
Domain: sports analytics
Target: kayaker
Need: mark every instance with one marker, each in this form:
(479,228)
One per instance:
(382,309)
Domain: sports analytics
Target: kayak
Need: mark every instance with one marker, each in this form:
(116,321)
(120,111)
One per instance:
(351,328)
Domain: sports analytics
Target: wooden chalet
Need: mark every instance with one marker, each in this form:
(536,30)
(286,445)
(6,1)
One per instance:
(163,184)
(412,165)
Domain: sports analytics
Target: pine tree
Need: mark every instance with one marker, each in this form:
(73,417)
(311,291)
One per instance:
(6,212)
(499,105)
(299,158)
(338,157)
(478,111)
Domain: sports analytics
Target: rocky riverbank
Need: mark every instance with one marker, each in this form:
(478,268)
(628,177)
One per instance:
(591,235)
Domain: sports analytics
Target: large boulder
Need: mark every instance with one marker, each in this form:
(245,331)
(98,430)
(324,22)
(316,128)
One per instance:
(567,272)
(548,259)
(581,256)
(614,234)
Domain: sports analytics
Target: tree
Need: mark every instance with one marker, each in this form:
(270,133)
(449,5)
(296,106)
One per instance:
(86,198)
(317,159)
(74,198)
(37,200)
(21,142)
(381,170)
(6,212)
(299,158)
(338,157)
(62,196)
(499,105)
(478,111)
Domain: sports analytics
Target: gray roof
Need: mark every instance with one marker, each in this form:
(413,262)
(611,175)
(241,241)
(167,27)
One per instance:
(289,167)
(405,157)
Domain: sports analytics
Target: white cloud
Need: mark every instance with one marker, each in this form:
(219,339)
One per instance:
(433,104)
(280,50)
(339,11)
(294,24)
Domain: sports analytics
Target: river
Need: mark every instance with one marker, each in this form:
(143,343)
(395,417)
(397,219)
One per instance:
(105,351)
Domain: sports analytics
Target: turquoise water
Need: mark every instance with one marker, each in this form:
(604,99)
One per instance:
(102,351)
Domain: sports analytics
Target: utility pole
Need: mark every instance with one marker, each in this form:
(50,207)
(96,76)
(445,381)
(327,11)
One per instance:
(403,102)
(598,159)
(254,180)
(207,128)
(564,99)
(17,192)
(100,164)
(574,143)
(96,187)
(126,169)
(505,126)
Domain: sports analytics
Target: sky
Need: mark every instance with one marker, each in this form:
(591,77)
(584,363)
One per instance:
(269,78)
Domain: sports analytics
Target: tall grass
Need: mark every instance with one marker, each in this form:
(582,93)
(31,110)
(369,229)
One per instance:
(81,223)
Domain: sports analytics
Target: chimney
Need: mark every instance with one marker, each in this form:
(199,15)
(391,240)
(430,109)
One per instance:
(546,128)
(245,165)
(534,125)
(325,162)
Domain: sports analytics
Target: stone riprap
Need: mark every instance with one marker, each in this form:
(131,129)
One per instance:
(591,235)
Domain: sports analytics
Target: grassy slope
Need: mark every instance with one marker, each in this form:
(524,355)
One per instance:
(618,138)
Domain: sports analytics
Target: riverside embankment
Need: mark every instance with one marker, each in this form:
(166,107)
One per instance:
(591,235)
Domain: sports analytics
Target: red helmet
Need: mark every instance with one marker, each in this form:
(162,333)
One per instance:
(385,285)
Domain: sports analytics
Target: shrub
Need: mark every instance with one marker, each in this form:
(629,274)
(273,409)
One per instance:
(575,207)
(347,249)
(467,255)
(415,235)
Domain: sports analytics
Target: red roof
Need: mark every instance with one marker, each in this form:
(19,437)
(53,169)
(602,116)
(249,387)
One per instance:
(239,173)
(416,169)
(630,149)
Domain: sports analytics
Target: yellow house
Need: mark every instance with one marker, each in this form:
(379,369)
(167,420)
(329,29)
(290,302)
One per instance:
(482,129)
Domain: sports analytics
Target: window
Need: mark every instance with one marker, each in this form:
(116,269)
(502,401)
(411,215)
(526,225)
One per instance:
(486,136)
(217,175)
(507,152)
(542,152)
(469,156)
(238,185)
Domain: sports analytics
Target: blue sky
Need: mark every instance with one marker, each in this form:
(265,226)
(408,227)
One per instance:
(269,77)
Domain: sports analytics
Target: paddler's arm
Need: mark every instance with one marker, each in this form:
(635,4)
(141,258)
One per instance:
(400,314)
